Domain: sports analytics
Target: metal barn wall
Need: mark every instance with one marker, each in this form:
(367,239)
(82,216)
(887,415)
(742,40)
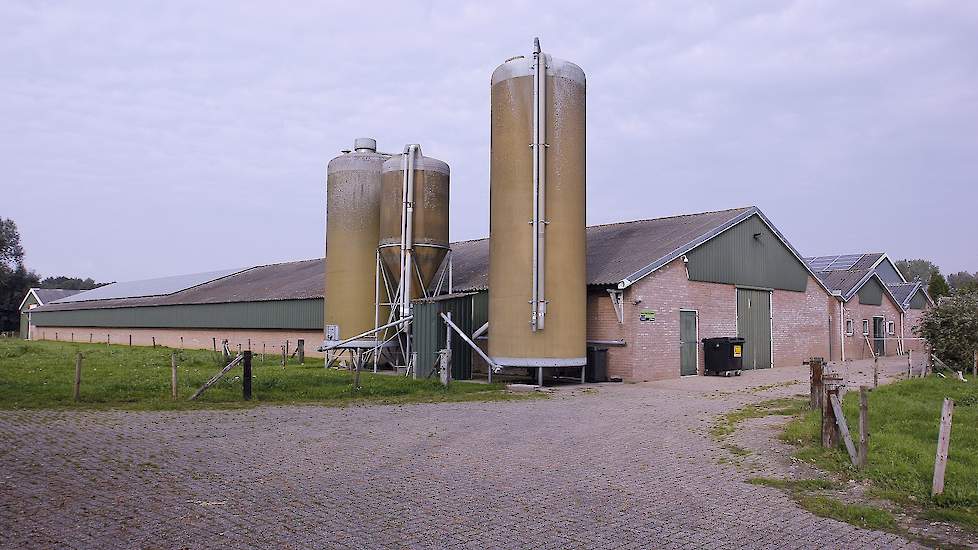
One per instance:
(428,335)
(280,314)
(737,257)
(480,309)
(871,294)
(919,301)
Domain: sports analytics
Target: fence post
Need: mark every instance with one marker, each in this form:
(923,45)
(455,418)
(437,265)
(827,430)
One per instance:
(974,366)
(77,387)
(214,343)
(181,342)
(108,339)
(283,356)
(863,426)
(876,371)
(817,369)
(130,340)
(356,369)
(830,432)
(909,364)
(173,375)
(943,442)
(154,341)
(246,376)
(300,348)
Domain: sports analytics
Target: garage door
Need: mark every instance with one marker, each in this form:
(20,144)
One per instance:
(754,325)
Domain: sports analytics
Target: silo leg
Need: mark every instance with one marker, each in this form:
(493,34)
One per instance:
(540,376)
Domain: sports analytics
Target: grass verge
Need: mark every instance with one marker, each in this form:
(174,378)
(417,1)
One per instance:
(903,423)
(40,375)
(727,424)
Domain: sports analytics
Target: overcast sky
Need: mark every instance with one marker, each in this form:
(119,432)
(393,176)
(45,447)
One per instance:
(145,139)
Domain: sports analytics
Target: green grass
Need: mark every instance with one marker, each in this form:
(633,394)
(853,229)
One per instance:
(793,484)
(903,423)
(40,374)
(868,517)
(727,424)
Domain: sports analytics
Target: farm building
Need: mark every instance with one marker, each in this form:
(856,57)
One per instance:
(880,308)
(37,297)
(267,305)
(656,289)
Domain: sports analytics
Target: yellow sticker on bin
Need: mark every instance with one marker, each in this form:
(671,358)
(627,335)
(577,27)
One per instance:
(738,350)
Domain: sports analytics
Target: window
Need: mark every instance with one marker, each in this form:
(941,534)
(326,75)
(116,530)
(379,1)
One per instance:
(890,328)
(865,327)
(848,327)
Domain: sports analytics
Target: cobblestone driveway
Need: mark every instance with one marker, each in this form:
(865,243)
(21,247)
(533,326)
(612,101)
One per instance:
(630,466)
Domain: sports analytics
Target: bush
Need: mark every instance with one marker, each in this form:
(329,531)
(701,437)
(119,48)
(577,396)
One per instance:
(951,329)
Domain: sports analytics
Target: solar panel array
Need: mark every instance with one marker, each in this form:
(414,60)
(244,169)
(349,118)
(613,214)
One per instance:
(148,287)
(841,262)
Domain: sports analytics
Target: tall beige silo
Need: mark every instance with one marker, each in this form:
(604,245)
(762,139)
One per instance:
(416,207)
(352,225)
(537,271)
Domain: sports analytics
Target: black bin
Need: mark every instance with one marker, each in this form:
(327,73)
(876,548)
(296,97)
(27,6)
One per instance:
(597,365)
(723,355)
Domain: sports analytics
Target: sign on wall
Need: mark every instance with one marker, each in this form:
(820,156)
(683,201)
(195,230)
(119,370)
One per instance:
(332,333)
(646,315)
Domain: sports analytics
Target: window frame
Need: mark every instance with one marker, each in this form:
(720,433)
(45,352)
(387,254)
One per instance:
(848,327)
(890,328)
(865,327)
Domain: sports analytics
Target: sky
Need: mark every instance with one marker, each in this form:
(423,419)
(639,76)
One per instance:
(143,139)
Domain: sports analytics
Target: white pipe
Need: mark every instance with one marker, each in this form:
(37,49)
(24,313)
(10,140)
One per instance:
(492,366)
(538,297)
(371,331)
(481,330)
(842,329)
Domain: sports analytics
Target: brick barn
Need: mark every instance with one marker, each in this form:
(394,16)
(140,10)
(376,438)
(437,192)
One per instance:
(657,287)
(879,307)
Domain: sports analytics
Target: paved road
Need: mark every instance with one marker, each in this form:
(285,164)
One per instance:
(629,466)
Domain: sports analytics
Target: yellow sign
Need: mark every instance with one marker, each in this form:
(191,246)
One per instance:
(738,350)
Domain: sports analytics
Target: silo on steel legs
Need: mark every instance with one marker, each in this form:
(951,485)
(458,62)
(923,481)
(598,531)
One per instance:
(352,229)
(537,263)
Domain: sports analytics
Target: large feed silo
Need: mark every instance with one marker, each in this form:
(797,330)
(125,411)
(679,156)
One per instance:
(537,270)
(352,232)
(413,222)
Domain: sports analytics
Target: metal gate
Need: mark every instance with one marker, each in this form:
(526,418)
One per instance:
(688,346)
(754,326)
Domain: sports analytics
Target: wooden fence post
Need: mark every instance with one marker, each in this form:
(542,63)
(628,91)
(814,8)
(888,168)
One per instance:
(181,342)
(863,426)
(77,388)
(909,364)
(130,340)
(300,347)
(876,371)
(173,375)
(214,343)
(154,341)
(356,368)
(974,366)
(943,442)
(830,432)
(246,376)
(817,368)
(283,356)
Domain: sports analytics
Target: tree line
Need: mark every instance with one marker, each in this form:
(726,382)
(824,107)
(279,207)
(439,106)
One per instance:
(937,285)
(16,280)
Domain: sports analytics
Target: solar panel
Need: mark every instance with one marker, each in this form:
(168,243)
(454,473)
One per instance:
(148,287)
(844,262)
(821,262)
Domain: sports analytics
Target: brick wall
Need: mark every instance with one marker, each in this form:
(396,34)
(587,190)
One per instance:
(269,340)
(911,320)
(801,322)
(856,347)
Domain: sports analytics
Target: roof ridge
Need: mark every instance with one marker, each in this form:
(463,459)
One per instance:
(623,222)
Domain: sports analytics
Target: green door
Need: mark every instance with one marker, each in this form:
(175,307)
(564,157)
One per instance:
(879,332)
(687,342)
(754,326)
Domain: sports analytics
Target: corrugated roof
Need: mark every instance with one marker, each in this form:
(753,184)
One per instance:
(615,251)
(285,281)
(903,291)
(48,295)
(159,286)
(847,281)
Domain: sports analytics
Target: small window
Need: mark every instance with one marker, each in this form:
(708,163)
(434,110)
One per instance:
(865,327)
(890,328)
(848,327)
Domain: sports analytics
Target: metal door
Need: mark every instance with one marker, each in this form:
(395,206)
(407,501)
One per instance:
(879,332)
(754,326)
(688,346)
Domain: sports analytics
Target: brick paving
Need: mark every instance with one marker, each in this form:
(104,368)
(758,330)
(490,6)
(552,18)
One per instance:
(626,466)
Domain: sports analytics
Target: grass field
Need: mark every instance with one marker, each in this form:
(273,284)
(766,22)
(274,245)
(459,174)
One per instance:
(40,375)
(903,421)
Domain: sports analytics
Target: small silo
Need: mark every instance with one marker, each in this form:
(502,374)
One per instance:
(352,223)
(413,218)
(537,271)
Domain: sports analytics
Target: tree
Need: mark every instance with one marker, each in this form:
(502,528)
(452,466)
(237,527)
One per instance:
(951,329)
(70,283)
(917,270)
(15,279)
(962,279)
(937,286)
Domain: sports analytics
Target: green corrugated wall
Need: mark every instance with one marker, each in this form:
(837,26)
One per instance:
(737,257)
(919,301)
(428,332)
(281,314)
(871,294)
